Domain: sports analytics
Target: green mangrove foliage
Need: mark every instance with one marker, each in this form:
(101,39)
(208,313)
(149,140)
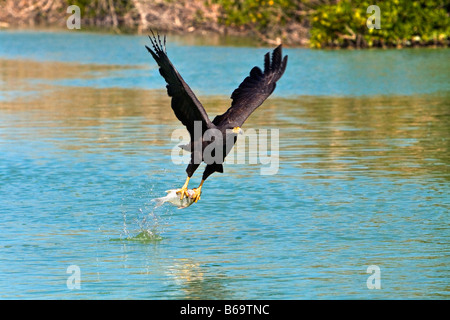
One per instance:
(343,23)
(321,23)
(402,22)
(259,14)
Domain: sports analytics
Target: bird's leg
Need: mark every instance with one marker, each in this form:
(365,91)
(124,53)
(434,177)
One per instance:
(198,192)
(184,188)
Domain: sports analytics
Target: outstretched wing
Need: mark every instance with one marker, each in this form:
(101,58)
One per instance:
(256,88)
(185,104)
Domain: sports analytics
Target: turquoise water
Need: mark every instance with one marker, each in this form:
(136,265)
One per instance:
(311,72)
(85,142)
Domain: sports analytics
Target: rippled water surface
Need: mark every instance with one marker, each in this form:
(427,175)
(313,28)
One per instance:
(85,145)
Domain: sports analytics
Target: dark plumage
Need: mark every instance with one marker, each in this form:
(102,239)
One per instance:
(250,94)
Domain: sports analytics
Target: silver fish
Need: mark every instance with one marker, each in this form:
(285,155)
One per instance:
(174,198)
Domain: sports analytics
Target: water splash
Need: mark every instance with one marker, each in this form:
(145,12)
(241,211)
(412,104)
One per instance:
(146,226)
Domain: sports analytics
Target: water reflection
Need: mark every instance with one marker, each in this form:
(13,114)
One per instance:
(378,135)
(198,281)
(216,70)
(344,135)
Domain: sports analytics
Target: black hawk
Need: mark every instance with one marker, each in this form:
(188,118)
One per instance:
(250,94)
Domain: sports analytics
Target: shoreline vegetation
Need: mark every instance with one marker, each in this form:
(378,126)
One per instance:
(305,23)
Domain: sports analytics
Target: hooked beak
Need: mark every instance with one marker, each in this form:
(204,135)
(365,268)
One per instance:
(238,130)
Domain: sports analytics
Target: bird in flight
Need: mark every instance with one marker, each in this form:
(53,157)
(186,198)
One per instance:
(211,141)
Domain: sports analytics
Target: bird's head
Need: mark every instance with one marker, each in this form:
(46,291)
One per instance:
(237,130)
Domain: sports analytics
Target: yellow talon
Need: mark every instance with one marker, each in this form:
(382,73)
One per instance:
(196,196)
(183,192)
(184,189)
(197,192)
